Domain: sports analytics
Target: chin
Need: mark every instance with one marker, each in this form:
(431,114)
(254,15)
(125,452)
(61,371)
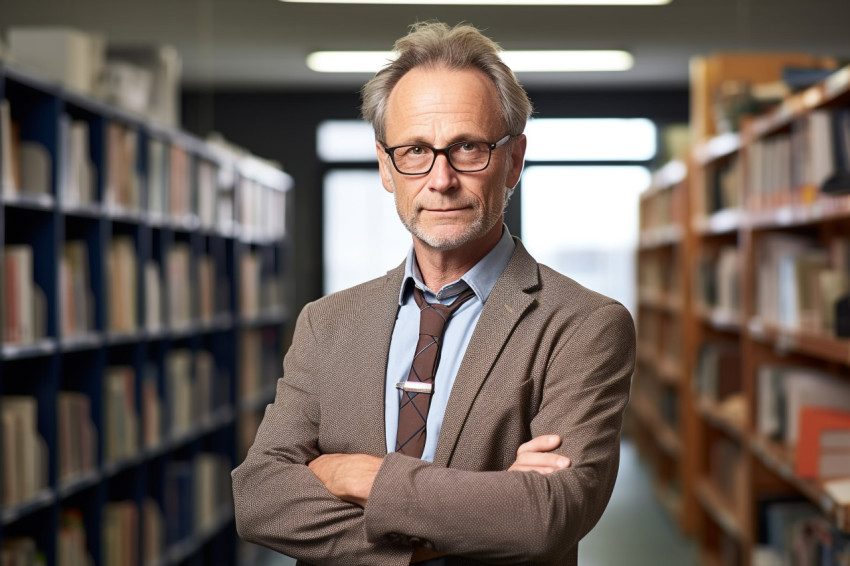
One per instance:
(445,238)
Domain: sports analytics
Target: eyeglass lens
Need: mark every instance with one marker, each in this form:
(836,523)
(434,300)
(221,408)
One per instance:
(464,156)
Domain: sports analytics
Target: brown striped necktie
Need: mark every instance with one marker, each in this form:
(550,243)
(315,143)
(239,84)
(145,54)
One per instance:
(417,390)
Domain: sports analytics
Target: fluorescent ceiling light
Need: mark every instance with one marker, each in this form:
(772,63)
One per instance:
(519,61)
(495,2)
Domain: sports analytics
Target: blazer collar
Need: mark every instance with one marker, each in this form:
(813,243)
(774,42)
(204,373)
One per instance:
(510,299)
(384,309)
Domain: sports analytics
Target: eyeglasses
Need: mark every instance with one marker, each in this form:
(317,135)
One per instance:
(463,156)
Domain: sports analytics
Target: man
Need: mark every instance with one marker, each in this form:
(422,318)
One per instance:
(519,438)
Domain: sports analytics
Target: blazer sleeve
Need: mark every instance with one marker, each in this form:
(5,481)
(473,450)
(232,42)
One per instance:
(279,502)
(507,516)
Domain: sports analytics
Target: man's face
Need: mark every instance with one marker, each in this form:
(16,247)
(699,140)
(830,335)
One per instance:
(445,209)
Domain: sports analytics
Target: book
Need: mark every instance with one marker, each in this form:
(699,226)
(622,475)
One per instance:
(122,290)
(838,182)
(19,303)
(153,296)
(823,446)
(10,147)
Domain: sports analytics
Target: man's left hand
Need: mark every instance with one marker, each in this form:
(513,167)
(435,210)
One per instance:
(348,476)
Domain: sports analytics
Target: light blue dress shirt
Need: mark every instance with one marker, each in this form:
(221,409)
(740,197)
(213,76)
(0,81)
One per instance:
(481,279)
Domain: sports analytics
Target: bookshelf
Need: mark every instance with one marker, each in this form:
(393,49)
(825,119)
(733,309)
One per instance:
(144,318)
(659,419)
(766,256)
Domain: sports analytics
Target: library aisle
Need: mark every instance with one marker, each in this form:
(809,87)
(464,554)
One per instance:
(634,530)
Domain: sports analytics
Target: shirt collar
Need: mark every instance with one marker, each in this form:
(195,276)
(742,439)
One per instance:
(481,278)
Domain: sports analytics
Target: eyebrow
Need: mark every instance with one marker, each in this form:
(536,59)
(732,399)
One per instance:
(456,139)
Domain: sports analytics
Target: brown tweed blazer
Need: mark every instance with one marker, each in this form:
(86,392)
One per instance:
(547,356)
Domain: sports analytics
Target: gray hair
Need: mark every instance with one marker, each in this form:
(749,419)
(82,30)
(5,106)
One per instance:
(435,44)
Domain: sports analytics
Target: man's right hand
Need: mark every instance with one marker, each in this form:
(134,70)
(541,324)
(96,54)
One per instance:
(536,456)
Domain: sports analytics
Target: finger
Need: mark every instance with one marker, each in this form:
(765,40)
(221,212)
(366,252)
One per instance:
(543,463)
(542,443)
(543,459)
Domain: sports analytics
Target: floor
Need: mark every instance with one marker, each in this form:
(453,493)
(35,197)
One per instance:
(634,530)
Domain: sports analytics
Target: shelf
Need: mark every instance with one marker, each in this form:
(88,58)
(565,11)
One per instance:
(726,221)
(719,319)
(35,349)
(823,209)
(820,346)
(659,237)
(719,509)
(716,148)
(660,301)
(728,418)
(667,176)
(152,186)
(835,86)
(41,500)
(29,201)
(780,459)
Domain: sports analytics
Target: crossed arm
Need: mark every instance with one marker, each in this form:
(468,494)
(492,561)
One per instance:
(350,476)
(321,508)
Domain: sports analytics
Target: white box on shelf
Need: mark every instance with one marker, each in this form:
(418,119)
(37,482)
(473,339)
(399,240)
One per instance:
(163,65)
(72,57)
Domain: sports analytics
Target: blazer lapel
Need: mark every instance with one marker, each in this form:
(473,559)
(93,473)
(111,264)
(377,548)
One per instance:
(376,347)
(506,305)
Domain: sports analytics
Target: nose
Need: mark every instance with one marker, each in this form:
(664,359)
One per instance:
(442,176)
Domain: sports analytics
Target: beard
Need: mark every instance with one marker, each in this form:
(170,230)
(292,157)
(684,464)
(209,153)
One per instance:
(484,221)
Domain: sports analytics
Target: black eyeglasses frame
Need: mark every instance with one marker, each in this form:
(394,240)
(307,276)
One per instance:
(445,151)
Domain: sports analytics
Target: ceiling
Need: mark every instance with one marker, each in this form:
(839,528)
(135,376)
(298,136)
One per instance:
(263,43)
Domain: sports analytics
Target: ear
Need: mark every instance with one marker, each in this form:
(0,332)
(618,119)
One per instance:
(385,167)
(517,160)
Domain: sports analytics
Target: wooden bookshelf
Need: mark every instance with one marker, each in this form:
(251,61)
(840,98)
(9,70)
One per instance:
(144,272)
(755,202)
(656,416)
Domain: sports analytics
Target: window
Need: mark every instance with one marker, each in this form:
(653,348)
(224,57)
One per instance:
(581,218)
(363,237)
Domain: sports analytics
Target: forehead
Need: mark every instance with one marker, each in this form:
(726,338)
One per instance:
(437,104)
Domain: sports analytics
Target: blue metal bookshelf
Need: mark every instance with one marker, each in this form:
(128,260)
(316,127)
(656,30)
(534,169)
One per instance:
(177,236)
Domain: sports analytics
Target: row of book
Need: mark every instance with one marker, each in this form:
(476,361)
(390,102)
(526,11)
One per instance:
(796,533)
(120,538)
(808,411)
(21,551)
(717,375)
(260,212)
(660,336)
(25,304)
(197,492)
(793,168)
(718,280)
(800,284)
(722,186)
(260,291)
(173,185)
(259,363)
(657,278)
(25,164)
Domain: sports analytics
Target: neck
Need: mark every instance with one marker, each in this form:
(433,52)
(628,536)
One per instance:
(441,267)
